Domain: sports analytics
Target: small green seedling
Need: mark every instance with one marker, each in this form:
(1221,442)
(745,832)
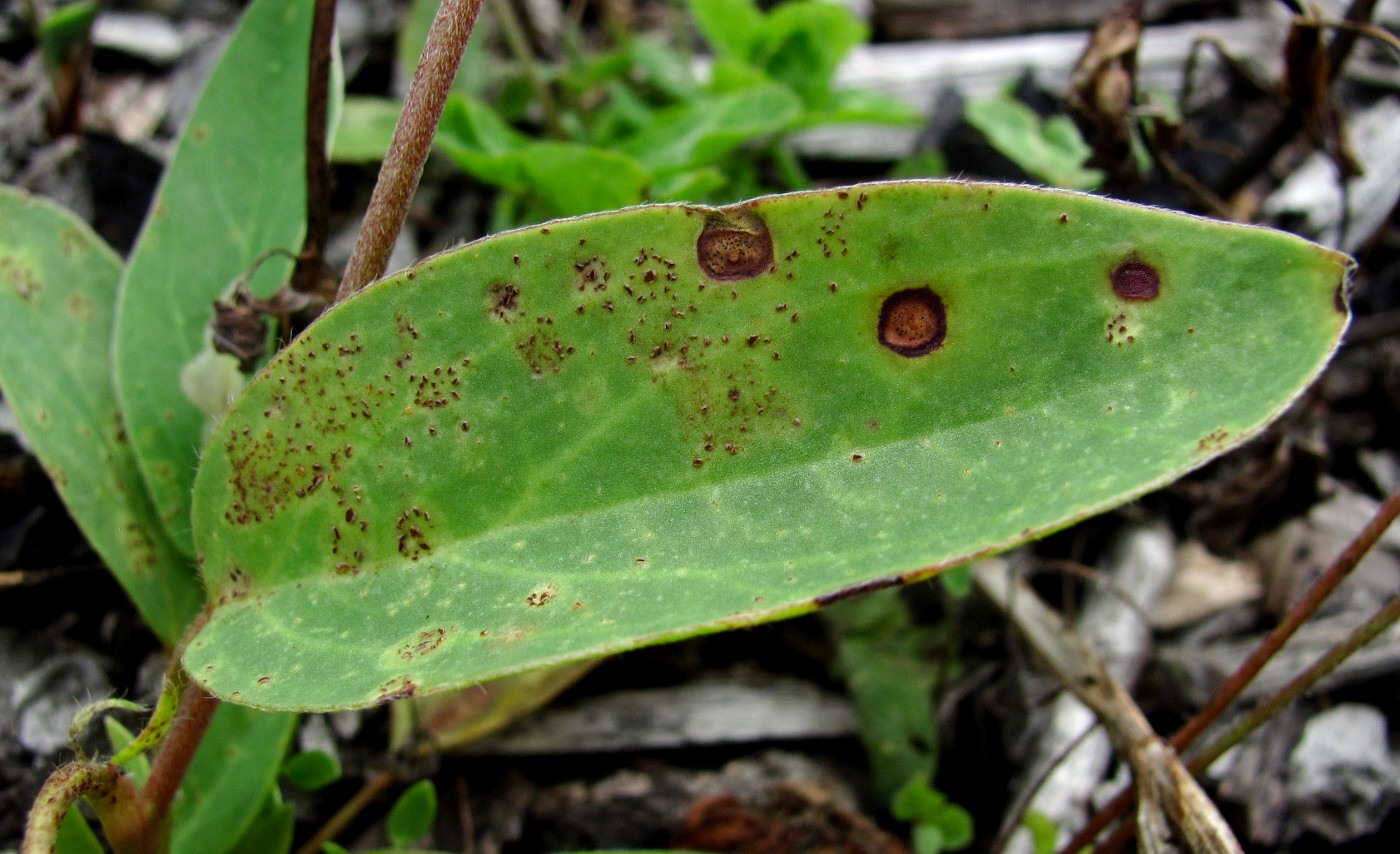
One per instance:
(638,115)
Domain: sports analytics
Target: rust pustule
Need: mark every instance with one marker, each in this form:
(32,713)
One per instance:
(913,322)
(503,301)
(1136,280)
(734,244)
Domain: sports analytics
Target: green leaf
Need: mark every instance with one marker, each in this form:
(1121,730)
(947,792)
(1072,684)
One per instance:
(728,75)
(566,179)
(312,770)
(660,66)
(939,825)
(58,292)
(157,724)
(270,831)
(138,767)
(481,143)
(957,827)
(730,26)
(1044,832)
(865,107)
(689,186)
(890,675)
(412,815)
(64,32)
(75,835)
(703,132)
(574,439)
(1050,150)
(920,164)
(928,839)
(958,580)
(802,43)
(234,189)
(366,129)
(229,779)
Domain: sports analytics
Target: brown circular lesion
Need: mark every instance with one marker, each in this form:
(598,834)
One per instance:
(1136,280)
(913,322)
(734,244)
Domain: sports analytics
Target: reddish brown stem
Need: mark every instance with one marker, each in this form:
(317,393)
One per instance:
(318,169)
(372,789)
(1300,613)
(1298,685)
(177,751)
(413,136)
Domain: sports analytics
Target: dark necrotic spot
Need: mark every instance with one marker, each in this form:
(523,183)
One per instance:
(503,301)
(913,322)
(734,244)
(1135,280)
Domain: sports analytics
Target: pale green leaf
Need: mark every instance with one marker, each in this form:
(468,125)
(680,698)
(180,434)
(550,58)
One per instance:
(235,188)
(617,430)
(58,293)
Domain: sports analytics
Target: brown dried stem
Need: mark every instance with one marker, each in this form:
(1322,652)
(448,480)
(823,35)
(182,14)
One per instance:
(307,274)
(1294,118)
(372,789)
(1172,803)
(413,137)
(1298,685)
(1300,613)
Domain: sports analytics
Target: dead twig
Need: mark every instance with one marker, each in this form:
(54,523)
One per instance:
(1300,613)
(1295,116)
(306,277)
(1171,801)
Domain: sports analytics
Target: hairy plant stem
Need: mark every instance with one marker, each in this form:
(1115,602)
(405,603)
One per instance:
(413,137)
(307,274)
(173,759)
(1302,611)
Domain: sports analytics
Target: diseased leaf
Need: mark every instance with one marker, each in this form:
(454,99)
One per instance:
(234,189)
(58,291)
(617,430)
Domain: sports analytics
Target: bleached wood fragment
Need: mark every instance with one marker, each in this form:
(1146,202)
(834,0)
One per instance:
(918,72)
